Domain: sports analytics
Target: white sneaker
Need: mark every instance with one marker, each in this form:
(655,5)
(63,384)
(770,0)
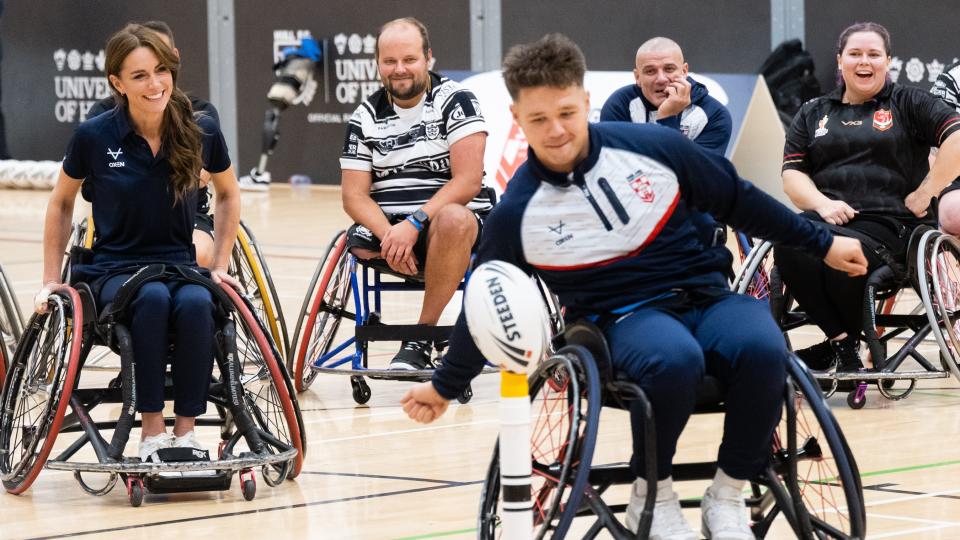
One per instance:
(255,181)
(150,445)
(724,514)
(187,440)
(668,521)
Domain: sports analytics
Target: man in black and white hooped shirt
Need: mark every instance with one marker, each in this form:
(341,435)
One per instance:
(412,167)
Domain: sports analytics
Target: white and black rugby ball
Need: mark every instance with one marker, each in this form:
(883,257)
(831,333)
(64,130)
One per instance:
(506,316)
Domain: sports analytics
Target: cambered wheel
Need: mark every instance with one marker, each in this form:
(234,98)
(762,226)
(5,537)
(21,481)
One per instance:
(828,481)
(40,381)
(323,309)
(250,268)
(11,324)
(565,396)
(268,392)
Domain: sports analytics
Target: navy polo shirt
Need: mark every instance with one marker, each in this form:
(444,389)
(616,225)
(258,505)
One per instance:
(134,207)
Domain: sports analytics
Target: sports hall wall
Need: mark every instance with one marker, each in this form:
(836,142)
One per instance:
(51,52)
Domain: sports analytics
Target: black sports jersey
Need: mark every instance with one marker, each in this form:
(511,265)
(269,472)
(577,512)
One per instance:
(871,155)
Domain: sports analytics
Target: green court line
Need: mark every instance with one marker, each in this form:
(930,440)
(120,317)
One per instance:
(438,534)
(862,475)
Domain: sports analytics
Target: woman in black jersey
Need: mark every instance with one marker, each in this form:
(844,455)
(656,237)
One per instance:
(142,161)
(857,158)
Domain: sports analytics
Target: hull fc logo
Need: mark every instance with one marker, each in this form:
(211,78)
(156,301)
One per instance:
(115,155)
(882,120)
(641,186)
(558,230)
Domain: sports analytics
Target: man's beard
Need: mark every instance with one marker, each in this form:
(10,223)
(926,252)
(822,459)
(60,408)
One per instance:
(417,85)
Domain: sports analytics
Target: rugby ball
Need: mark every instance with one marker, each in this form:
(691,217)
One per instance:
(506,316)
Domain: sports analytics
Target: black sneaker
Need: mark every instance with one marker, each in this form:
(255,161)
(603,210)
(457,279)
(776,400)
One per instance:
(413,355)
(819,357)
(848,361)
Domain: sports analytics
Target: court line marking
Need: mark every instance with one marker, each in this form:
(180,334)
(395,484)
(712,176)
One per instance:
(384,477)
(911,532)
(258,510)
(437,535)
(403,431)
(917,520)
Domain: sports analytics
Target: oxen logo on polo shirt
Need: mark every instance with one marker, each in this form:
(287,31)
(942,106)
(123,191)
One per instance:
(115,154)
(882,120)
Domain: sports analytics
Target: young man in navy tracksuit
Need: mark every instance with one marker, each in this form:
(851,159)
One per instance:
(601,213)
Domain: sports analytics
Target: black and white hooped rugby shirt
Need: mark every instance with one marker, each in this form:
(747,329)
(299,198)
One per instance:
(616,231)
(407,151)
(947,86)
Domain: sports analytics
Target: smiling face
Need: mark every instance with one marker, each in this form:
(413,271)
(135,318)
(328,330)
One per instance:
(863,64)
(554,121)
(145,81)
(403,64)
(655,70)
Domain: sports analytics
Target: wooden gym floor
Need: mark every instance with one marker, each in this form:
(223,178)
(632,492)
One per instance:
(371,473)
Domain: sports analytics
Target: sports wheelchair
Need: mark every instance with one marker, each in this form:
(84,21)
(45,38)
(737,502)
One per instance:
(339,280)
(811,480)
(257,411)
(247,265)
(928,285)
(11,324)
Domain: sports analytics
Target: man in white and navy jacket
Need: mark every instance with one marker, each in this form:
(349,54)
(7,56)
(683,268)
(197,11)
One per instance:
(601,212)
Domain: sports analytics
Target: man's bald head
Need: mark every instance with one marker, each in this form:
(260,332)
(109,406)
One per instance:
(659,63)
(660,45)
(403,26)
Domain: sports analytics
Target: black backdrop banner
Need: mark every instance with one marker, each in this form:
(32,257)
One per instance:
(923,36)
(311,135)
(53,63)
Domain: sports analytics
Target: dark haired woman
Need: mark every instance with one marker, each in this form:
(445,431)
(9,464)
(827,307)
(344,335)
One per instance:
(857,158)
(143,162)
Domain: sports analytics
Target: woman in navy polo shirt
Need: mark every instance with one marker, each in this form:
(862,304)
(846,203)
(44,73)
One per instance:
(143,162)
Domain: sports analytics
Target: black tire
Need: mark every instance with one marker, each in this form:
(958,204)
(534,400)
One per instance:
(361,390)
(566,381)
(136,494)
(465,396)
(855,403)
(249,489)
(828,480)
(41,378)
(323,308)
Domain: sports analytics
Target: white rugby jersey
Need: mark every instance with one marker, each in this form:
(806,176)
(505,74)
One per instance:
(407,151)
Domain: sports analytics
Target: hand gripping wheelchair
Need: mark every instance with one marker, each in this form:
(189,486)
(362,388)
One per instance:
(11,324)
(257,412)
(910,302)
(810,486)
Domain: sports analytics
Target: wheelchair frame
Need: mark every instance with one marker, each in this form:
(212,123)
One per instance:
(275,439)
(11,324)
(570,490)
(759,278)
(321,314)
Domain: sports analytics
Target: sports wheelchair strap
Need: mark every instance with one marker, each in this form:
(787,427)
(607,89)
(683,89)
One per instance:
(117,309)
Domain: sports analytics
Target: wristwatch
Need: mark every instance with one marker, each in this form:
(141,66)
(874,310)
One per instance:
(421,217)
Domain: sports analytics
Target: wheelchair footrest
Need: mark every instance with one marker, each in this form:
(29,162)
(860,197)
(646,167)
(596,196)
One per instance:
(188,481)
(879,375)
(246,460)
(402,332)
